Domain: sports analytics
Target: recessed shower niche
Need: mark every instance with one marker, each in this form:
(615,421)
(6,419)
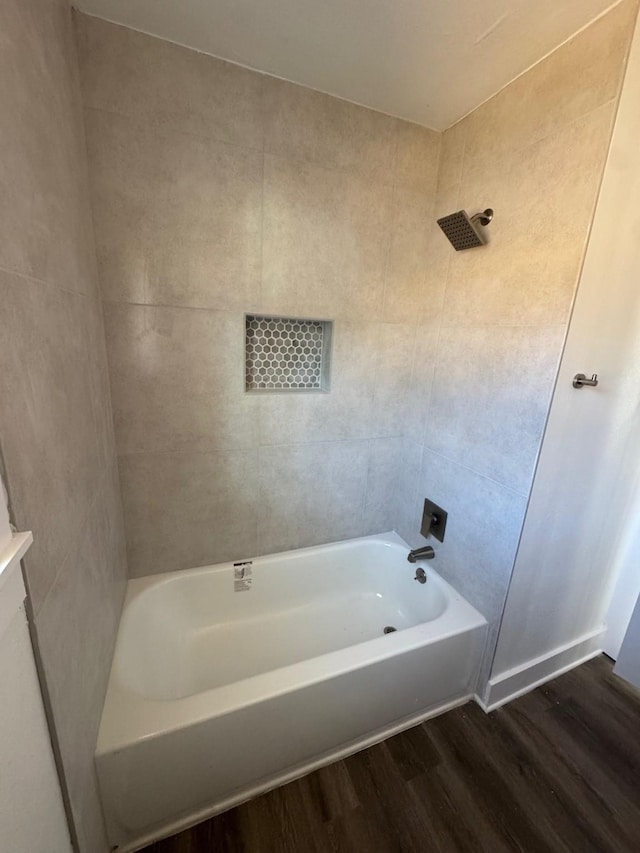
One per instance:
(287,354)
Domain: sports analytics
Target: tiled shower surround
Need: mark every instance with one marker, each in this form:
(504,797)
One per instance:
(56,426)
(218,192)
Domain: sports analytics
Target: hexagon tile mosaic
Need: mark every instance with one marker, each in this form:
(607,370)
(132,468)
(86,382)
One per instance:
(285,355)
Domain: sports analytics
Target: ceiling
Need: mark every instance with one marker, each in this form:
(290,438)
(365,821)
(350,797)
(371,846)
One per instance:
(429,61)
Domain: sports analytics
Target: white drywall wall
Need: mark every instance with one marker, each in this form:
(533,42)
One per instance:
(5,529)
(32,818)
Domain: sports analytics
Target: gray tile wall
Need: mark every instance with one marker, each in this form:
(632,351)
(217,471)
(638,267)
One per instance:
(535,153)
(55,419)
(217,191)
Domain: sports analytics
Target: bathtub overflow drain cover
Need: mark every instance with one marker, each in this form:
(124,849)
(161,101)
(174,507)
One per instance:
(389,629)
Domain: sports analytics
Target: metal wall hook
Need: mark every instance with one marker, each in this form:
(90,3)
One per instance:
(580,380)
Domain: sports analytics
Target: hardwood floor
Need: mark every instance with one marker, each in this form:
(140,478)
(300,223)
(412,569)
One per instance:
(557,770)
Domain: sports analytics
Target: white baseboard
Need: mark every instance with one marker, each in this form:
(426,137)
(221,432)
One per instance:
(521,679)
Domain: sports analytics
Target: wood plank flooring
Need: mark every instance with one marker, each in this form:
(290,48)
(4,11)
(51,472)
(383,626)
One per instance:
(557,771)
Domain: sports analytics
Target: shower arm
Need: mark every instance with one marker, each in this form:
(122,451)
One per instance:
(483,218)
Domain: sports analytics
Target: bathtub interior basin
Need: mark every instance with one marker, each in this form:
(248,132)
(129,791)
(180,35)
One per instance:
(189,632)
(230,679)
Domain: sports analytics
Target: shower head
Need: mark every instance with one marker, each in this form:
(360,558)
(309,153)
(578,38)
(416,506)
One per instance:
(464,232)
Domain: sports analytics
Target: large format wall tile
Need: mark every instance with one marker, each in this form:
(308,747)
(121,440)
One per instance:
(92,322)
(393,378)
(417,155)
(571,82)
(315,416)
(325,241)
(491,392)
(168,86)
(49,436)
(544,197)
(301,124)
(482,533)
(184,510)
(178,217)
(452,155)
(408,497)
(345,412)
(416,265)
(311,494)
(371,381)
(177,380)
(422,370)
(384,480)
(43,222)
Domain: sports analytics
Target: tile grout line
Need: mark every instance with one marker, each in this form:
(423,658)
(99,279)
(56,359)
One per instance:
(308,316)
(237,312)
(263,150)
(259,466)
(264,446)
(557,129)
(477,473)
(262,189)
(366,484)
(394,191)
(50,283)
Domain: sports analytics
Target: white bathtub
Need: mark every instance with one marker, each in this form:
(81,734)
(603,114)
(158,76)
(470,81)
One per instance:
(217,695)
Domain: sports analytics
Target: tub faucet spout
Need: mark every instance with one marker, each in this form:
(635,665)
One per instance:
(426,553)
